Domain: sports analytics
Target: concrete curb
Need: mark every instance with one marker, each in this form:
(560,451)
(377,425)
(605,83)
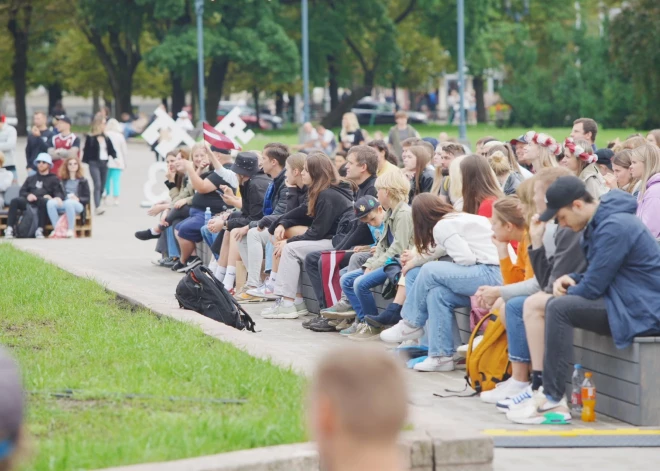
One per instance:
(438,450)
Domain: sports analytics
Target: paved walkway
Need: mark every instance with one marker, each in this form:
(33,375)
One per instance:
(122,264)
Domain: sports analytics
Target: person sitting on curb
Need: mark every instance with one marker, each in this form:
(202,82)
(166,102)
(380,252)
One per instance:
(36,190)
(77,196)
(357,408)
(616,296)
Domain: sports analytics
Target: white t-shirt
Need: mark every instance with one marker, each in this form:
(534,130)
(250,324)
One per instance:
(103,149)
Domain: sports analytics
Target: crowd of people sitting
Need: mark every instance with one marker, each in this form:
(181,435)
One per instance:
(55,185)
(549,234)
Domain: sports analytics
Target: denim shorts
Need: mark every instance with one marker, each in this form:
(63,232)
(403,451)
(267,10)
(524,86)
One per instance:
(190,228)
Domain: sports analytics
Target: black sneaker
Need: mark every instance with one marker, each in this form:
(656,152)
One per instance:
(146,235)
(177,266)
(306,324)
(322,325)
(190,264)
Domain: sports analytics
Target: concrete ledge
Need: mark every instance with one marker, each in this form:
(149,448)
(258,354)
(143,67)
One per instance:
(439,450)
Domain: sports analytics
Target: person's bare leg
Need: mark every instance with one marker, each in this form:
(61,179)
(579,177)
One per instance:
(224,250)
(234,254)
(400,296)
(534,317)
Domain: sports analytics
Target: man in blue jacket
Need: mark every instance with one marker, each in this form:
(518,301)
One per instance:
(617,295)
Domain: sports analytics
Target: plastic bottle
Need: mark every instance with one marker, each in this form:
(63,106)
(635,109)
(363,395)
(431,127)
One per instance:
(588,399)
(576,392)
(207,215)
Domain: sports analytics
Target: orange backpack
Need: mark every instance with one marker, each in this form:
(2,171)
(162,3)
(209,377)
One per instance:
(488,363)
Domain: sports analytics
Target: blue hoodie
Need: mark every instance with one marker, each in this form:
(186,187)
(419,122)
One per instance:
(623,267)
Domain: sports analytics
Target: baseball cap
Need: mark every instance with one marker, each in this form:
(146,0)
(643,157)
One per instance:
(364,205)
(520,139)
(605,157)
(11,403)
(43,157)
(64,118)
(562,193)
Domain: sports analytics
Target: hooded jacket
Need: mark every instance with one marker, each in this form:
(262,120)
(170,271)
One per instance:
(594,181)
(648,209)
(352,232)
(331,204)
(252,195)
(397,236)
(623,267)
(42,185)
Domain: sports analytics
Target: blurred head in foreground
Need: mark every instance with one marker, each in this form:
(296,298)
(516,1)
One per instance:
(11,411)
(358,406)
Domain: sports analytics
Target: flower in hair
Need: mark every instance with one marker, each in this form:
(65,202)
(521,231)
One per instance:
(580,152)
(544,140)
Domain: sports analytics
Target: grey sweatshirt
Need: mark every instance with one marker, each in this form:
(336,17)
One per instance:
(8,143)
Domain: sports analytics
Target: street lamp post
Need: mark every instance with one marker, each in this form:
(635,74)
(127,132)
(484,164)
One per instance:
(305,60)
(199,10)
(462,131)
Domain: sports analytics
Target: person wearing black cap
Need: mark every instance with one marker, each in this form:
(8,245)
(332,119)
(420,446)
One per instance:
(253,183)
(615,296)
(11,410)
(604,161)
(63,145)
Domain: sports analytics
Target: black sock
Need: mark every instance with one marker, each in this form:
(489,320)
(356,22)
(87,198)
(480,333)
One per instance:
(537,380)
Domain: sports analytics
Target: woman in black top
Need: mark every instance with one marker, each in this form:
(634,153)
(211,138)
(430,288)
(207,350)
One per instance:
(351,134)
(416,166)
(96,152)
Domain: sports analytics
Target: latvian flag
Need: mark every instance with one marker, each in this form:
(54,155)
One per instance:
(217,139)
(330,266)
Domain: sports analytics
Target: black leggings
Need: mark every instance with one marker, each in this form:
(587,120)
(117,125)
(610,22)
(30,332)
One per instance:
(20,204)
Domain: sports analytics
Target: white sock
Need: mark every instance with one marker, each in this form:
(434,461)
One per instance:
(213,265)
(287,303)
(154,232)
(272,278)
(298,300)
(230,277)
(519,383)
(220,273)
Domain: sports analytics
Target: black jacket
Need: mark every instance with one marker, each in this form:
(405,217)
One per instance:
(355,232)
(92,149)
(425,184)
(331,204)
(252,195)
(279,203)
(295,197)
(42,185)
(36,145)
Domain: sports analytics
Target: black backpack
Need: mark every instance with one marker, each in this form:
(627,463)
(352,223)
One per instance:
(28,223)
(201,292)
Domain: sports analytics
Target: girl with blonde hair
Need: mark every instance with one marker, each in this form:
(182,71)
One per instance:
(351,134)
(456,183)
(541,151)
(653,137)
(645,165)
(503,165)
(98,149)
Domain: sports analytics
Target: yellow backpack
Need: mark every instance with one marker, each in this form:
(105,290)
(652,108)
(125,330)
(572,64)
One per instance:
(488,363)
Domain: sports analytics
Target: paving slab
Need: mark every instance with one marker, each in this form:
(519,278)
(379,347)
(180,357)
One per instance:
(122,264)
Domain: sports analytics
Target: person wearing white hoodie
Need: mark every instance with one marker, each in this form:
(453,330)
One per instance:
(115,166)
(440,287)
(6,179)
(8,145)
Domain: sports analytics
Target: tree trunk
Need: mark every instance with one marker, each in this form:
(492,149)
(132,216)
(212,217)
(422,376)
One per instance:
(96,102)
(333,83)
(20,31)
(214,85)
(255,97)
(178,93)
(54,94)
(163,101)
(123,94)
(396,104)
(478,84)
(279,103)
(333,119)
(108,103)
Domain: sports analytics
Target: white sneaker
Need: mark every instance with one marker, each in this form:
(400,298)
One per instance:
(9,233)
(280,311)
(505,390)
(433,364)
(263,291)
(70,234)
(39,234)
(462,350)
(540,411)
(515,401)
(401,332)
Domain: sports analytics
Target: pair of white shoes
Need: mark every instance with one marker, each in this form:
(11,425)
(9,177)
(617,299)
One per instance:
(403,332)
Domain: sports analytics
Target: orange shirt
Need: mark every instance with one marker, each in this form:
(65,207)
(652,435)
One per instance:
(522,269)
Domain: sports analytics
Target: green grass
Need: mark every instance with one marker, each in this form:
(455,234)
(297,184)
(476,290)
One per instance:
(289,135)
(69,333)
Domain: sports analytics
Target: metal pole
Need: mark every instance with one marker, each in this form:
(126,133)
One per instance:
(199,9)
(462,131)
(305,60)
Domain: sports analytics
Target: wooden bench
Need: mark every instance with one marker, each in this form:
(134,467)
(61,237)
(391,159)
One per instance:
(82,230)
(627,381)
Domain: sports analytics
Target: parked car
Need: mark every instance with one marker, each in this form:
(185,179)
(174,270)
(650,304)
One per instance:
(370,111)
(249,115)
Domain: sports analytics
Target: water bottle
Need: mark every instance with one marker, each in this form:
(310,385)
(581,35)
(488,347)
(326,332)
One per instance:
(588,399)
(207,215)
(576,392)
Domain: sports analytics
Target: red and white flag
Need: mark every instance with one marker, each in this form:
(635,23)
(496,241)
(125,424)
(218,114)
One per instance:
(217,139)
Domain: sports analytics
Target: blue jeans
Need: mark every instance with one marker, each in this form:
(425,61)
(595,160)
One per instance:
(515,330)
(70,207)
(172,246)
(441,287)
(209,237)
(357,288)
